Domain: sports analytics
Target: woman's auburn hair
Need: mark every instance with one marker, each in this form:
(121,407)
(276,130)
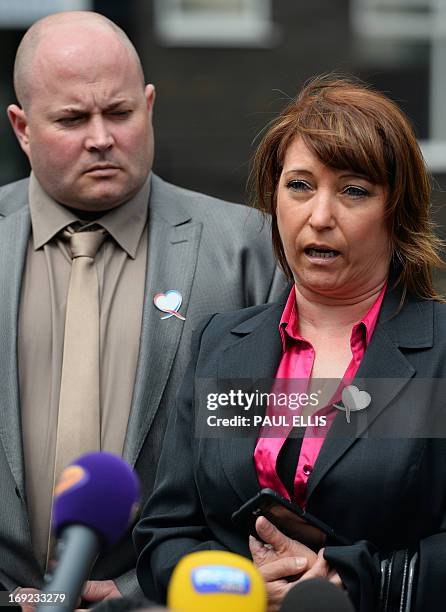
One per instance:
(348,125)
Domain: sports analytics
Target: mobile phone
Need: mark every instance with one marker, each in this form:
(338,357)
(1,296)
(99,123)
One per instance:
(290,518)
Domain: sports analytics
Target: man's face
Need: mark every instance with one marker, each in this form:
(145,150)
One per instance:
(87,129)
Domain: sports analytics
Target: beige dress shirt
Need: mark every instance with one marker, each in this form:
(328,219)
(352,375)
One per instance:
(121,265)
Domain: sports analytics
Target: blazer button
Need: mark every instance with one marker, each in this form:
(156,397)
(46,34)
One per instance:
(307,469)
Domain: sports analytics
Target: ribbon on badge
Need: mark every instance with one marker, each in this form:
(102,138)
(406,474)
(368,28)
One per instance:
(170,303)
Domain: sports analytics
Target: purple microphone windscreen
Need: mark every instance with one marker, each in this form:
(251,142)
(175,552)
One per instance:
(100,491)
(316,595)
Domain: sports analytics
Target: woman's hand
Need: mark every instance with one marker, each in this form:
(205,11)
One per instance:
(321,569)
(281,562)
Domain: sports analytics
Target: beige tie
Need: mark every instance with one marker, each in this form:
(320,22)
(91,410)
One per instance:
(78,426)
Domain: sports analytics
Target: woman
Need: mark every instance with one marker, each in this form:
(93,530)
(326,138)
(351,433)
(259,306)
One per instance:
(343,178)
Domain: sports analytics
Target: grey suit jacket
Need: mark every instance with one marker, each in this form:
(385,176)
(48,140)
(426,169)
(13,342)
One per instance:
(217,255)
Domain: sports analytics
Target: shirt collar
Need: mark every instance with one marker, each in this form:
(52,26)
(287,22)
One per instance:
(124,223)
(48,217)
(289,322)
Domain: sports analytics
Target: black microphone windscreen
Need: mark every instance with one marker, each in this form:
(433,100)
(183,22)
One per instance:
(316,595)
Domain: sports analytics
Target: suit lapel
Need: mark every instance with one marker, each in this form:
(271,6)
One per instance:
(14,234)
(412,328)
(254,355)
(173,249)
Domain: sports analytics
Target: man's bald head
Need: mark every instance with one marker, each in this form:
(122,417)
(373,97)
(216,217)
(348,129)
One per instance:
(28,49)
(86,116)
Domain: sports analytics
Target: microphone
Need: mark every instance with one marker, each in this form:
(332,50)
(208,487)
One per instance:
(94,503)
(316,594)
(216,580)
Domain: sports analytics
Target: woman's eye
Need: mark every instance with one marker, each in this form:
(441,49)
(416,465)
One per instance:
(296,185)
(356,192)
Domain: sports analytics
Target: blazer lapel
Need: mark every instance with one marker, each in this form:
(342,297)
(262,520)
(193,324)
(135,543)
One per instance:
(254,356)
(14,234)
(173,249)
(411,328)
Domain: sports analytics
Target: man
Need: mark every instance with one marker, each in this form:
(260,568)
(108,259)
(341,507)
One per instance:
(165,258)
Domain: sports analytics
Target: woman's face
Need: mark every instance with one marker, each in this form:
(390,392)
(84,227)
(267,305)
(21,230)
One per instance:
(332,226)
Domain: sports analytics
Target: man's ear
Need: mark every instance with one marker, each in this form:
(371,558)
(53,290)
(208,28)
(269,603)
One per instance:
(19,122)
(150,95)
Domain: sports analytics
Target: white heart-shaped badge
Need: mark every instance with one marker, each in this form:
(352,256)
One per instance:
(168,302)
(353,400)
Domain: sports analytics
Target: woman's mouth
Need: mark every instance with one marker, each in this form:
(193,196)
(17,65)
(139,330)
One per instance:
(321,252)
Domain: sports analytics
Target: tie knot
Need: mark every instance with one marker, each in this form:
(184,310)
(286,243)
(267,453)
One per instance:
(85,243)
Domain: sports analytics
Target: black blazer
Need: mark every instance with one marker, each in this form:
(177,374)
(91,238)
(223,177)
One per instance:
(385,490)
